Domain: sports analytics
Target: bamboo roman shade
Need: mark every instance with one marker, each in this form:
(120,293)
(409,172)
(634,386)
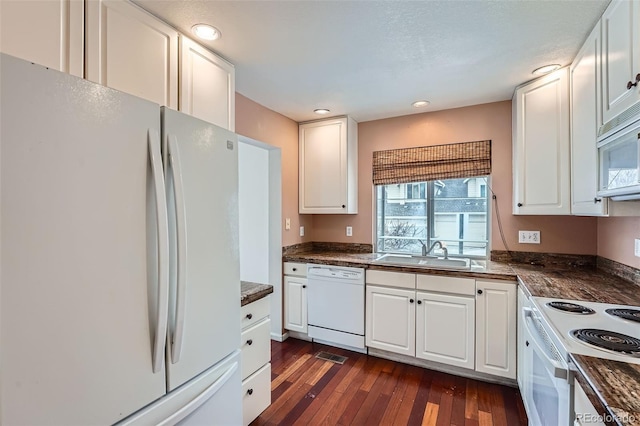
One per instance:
(458,160)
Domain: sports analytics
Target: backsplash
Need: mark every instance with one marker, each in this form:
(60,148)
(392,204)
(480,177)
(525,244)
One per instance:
(621,270)
(544,259)
(327,246)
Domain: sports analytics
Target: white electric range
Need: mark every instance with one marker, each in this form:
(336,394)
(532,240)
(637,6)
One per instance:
(594,329)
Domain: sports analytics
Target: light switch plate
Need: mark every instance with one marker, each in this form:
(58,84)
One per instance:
(529,237)
(302,231)
(637,247)
(349,231)
(287,223)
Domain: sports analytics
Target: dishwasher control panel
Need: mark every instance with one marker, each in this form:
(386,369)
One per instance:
(343,273)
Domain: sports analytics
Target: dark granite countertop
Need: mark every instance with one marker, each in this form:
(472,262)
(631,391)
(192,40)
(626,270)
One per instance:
(250,292)
(613,387)
(479,269)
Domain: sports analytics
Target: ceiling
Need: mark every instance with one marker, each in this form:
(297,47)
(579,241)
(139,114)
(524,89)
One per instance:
(372,59)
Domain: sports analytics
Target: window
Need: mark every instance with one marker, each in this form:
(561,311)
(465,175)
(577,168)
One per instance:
(453,211)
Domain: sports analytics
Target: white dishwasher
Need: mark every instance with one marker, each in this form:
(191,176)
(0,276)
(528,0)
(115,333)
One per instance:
(335,305)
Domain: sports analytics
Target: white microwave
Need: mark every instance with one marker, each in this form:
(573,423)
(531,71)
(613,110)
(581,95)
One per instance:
(619,164)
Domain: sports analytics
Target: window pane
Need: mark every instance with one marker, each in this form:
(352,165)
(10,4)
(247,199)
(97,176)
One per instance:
(455,208)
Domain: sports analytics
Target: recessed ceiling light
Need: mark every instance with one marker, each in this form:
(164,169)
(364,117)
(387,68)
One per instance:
(420,104)
(322,111)
(545,69)
(206,32)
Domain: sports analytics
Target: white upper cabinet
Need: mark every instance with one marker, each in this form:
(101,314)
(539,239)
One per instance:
(207,85)
(48,32)
(620,58)
(130,50)
(329,166)
(586,118)
(541,146)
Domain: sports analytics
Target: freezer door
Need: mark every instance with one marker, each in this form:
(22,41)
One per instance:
(201,161)
(79,298)
(212,398)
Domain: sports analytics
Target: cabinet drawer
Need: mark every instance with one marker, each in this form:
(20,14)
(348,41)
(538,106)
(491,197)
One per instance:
(391,279)
(256,347)
(443,284)
(256,394)
(298,269)
(254,312)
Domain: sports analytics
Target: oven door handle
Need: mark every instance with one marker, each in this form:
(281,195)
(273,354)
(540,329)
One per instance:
(558,370)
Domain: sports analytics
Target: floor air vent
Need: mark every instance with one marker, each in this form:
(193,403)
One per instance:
(327,356)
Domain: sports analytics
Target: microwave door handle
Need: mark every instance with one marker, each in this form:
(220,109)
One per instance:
(558,370)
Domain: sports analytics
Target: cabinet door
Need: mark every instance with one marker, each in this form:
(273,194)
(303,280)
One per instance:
(328,166)
(207,85)
(295,304)
(49,33)
(541,146)
(391,316)
(130,50)
(620,57)
(496,328)
(445,329)
(586,118)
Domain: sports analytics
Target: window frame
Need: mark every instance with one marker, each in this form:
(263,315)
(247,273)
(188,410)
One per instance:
(430,185)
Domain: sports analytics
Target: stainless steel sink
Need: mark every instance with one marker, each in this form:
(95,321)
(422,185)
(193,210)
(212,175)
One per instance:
(427,262)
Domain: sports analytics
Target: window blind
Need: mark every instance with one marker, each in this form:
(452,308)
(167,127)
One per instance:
(419,164)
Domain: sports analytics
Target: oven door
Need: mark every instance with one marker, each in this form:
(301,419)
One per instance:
(545,387)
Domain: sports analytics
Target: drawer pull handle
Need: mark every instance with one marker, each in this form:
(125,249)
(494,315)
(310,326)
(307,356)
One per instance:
(249,316)
(250,391)
(250,342)
(597,200)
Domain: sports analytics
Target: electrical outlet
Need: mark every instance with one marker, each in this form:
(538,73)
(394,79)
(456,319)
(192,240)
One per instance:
(302,231)
(529,237)
(287,223)
(349,231)
(637,247)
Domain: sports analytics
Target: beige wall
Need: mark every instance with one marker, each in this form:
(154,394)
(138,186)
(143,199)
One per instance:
(262,124)
(616,237)
(559,234)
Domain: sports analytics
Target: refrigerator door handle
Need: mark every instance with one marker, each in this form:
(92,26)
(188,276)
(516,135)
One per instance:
(153,140)
(200,399)
(181,237)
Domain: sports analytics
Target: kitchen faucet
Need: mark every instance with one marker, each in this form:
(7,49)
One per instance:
(442,246)
(424,248)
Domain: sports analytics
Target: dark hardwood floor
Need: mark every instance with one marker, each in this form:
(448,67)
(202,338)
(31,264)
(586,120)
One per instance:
(372,391)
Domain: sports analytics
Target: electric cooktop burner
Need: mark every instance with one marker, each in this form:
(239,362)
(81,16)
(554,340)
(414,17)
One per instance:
(628,314)
(571,308)
(608,340)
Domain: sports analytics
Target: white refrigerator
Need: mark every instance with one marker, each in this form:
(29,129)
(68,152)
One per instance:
(119,276)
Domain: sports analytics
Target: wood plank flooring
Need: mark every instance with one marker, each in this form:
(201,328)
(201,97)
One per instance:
(372,391)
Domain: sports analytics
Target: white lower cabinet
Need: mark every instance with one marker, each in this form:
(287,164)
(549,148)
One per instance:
(390,319)
(295,296)
(256,357)
(445,329)
(496,328)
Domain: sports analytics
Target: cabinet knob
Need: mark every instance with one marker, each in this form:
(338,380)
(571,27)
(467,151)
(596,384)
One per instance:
(304,286)
(526,343)
(519,204)
(250,391)
(250,342)
(633,84)
(479,291)
(343,206)
(249,316)
(597,200)
(419,302)
(295,269)
(410,300)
